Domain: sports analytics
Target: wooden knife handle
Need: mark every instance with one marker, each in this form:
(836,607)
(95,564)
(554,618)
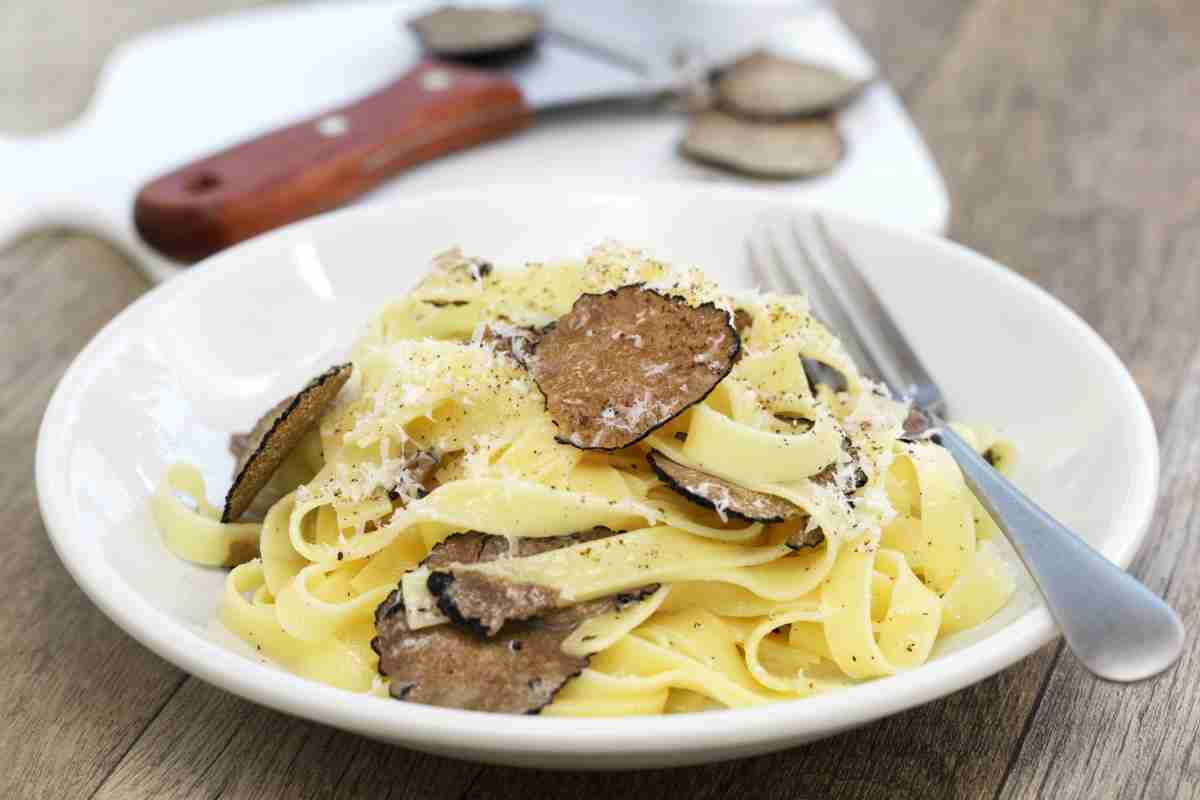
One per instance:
(322,162)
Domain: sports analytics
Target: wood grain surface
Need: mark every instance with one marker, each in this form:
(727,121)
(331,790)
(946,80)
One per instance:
(1069,135)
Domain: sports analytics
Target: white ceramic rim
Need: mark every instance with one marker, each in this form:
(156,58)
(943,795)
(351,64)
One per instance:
(439,729)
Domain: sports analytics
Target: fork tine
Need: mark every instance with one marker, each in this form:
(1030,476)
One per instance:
(769,267)
(902,369)
(758,265)
(822,297)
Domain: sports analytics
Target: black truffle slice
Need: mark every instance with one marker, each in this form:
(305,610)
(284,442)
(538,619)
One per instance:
(803,538)
(241,444)
(790,149)
(721,495)
(514,341)
(484,603)
(276,434)
(517,671)
(620,364)
(763,85)
(477,32)
(473,547)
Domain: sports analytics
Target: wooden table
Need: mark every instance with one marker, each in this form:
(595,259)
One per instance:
(1070,139)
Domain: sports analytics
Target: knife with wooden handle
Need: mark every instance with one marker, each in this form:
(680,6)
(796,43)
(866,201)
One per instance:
(320,163)
(315,165)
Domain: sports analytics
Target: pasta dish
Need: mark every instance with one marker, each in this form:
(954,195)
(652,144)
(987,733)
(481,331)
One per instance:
(597,487)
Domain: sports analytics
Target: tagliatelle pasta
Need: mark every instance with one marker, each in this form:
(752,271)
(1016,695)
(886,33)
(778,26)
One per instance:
(660,597)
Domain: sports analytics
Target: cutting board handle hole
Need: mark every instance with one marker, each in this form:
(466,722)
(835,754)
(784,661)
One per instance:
(203,182)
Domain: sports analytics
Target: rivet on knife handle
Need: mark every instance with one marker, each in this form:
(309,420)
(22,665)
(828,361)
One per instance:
(324,161)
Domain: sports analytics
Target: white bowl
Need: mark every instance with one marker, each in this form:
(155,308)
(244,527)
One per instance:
(205,353)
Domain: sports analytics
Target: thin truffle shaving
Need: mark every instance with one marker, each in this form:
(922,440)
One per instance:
(242,444)
(473,547)
(623,363)
(507,664)
(729,499)
(768,86)
(794,148)
(474,32)
(518,672)
(277,433)
(726,498)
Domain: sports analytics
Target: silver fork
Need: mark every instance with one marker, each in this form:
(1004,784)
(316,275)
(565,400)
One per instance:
(1118,629)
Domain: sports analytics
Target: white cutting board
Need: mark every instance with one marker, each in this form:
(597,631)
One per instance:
(167,97)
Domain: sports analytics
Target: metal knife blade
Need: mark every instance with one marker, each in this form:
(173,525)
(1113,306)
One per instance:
(630,50)
(564,71)
(672,41)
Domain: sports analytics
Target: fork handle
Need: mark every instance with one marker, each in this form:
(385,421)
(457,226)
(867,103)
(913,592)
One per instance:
(1118,628)
(320,163)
